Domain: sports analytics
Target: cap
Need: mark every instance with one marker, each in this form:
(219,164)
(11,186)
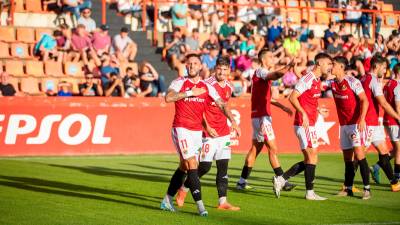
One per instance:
(104,27)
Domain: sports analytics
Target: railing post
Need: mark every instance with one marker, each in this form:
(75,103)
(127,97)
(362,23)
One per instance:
(144,14)
(373,25)
(103,12)
(225,12)
(155,23)
(10,18)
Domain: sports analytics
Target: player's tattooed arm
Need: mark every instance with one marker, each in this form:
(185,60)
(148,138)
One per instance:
(278,73)
(173,96)
(284,108)
(227,112)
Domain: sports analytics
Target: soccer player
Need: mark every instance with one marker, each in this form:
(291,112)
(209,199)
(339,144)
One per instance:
(392,95)
(263,133)
(375,133)
(352,106)
(216,137)
(190,95)
(304,99)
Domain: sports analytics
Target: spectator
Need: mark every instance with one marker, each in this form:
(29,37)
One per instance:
(179,14)
(101,41)
(46,48)
(64,89)
(274,31)
(209,61)
(75,6)
(175,49)
(193,42)
(109,65)
(353,17)
(115,87)
(124,47)
(82,45)
(292,45)
(379,46)
(6,89)
(336,48)
(211,43)
(64,42)
(89,88)
(395,61)
(131,8)
(303,32)
(328,34)
(268,13)
(243,62)
(313,47)
(247,30)
(85,19)
(150,78)
(227,29)
(132,85)
(231,43)
(393,43)
(248,45)
(366,18)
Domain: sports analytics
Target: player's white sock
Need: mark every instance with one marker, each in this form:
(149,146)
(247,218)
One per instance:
(200,206)
(242,180)
(310,192)
(367,187)
(222,200)
(185,189)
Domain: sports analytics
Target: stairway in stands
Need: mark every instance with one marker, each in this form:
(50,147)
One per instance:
(145,50)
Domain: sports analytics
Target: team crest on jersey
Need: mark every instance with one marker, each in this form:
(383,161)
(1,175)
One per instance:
(344,88)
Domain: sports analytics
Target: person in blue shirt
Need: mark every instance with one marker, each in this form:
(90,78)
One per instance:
(179,14)
(209,61)
(47,47)
(274,31)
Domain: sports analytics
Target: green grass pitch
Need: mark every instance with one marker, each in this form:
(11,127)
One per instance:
(128,190)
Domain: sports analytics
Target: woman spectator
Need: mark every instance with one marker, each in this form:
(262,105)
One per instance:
(149,77)
(379,46)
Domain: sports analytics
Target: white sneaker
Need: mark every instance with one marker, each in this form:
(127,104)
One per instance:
(203,213)
(314,197)
(278,183)
(167,206)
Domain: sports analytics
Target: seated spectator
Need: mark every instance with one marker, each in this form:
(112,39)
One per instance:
(231,43)
(6,89)
(247,30)
(115,87)
(292,45)
(89,88)
(274,31)
(394,61)
(393,43)
(379,46)
(193,42)
(132,85)
(85,19)
(211,43)
(227,28)
(64,42)
(336,48)
(353,16)
(131,8)
(244,61)
(209,61)
(179,13)
(247,46)
(101,41)
(64,89)
(82,45)
(124,47)
(46,48)
(175,50)
(149,77)
(109,65)
(328,34)
(303,32)
(75,6)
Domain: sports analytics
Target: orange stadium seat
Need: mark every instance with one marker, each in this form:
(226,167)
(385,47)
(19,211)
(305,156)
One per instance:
(33,5)
(34,68)
(73,69)
(387,7)
(336,17)
(74,83)
(26,35)
(1,66)
(4,50)
(7,34)
(311,19)
(49,84)
(20,50)
(40,31)
(30,85)
(391,20)
(52,68)
(323,18)
(15,68)
(294,16)
(320,4)
(14,81)
(19,6)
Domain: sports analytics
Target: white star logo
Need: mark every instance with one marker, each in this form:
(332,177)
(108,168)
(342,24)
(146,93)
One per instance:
(322,128)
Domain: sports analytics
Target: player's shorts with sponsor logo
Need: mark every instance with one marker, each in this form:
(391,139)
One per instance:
(307,137)
(350,137)
(262,129)
(188,143)
(393,132)
(373,135)
(215,149)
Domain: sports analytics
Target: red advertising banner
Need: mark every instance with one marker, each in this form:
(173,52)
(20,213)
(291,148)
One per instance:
(35,126)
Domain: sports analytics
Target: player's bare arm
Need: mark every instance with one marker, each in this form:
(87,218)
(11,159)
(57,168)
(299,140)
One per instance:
(386,106)
(173,96)
(364,109)
(227,112)
(278,73)
(211,131)
(296,104)
(284,108)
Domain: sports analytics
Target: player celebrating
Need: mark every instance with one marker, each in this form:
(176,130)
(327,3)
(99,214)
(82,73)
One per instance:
(351,105)
(304,99)
(216,137)
(375,133)
(263,134)
(392,95)
(190,95)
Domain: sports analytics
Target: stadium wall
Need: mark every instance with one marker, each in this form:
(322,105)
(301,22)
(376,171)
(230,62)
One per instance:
(35,126)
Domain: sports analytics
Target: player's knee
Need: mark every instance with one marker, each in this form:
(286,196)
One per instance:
(204,167)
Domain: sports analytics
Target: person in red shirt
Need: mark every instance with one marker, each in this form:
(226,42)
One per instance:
(190,95)
(216,137)
(392,95)
(263,133)
(375,132)
(304,99)
(351,105)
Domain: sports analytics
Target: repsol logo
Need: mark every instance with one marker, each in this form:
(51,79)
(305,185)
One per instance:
(24,124)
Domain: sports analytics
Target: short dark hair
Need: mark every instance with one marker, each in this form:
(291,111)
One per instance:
(124,30)
(253,22)
(378,59)
(342,60)
(224,61)
(195,30)
(231,18)
(193,55)
(262,53)
(320,56)
(128,69)
(396,69)
(57,33)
